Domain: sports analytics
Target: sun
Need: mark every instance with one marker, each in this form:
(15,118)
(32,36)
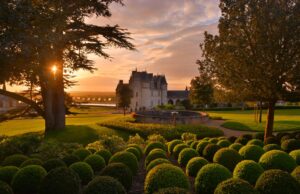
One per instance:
(54,69)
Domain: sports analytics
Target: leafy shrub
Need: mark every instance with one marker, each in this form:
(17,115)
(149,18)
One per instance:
(272,140)
(134,151)
(7,173)
(209,177)
(236,146)
(126,158)
(285,137)
(277,182)
(248,170)
(247,136)
(5,188)
(251,152)
(270,147)
(82,153)
(156,138)
(194,144)
(32,162)
(60,180)
(201,145)
(276,159)
(213,140)
(224,143)
(185,155)
(14,160)
(154,145)
(105,154)
(104,184)
(296,173)
(165,176)
(173,190)
(188,136)
(259,135)
(235,186)
(296,155)
(70,159)
(136,139)
(232,139)
(227,157)
(113,143)
(53,163)
(194,165)
(189,142)
(156,162)
(28,179)
(172,144)
(241,140)
(120,172)
(257,142)
(290,145)
(209,151)
(136,146)
(178,148)
(96,162)
(84,171)
(155,154)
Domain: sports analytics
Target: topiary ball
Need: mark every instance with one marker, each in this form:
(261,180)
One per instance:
(165,176)
(258,135)
(213,140)
(84,171)
(270,147)
(126,158)
(257,142)
(185,155)
(96,162)
(194,165)
(155,154)
(120,172)
(251,152)
(248,170)
(296,173)
(290,145)
(276,159)
(34,161)
(137,147)
(156,162)
(189,142)
(104,184)
(277,182)
(70,159)
(224,143)
(60,180)
(105,154)
(28,179)
(172,144)
(53,163)
(135,152)
(227,157)
(285,137)
(178,148)
(194,144)
(271,140)
(209,177)
(154,145)
(173,190)
(14,160)
(7,173)
(81,153)
(5,188)
(235,186)
(209,151)
(241,140)
(201,145)
(236,146)
(296,155)
(232,139)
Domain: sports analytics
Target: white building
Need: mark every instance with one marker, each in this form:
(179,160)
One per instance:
(7,104)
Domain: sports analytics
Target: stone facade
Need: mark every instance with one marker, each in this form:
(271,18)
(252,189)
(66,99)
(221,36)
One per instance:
(7,104)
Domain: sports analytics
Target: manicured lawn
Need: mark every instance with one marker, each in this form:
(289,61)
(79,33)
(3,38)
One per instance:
(285,120)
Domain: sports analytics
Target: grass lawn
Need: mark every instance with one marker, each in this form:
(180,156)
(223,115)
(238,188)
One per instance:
(285,120)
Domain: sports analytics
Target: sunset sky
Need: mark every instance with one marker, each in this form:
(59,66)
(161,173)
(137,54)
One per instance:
(166,33)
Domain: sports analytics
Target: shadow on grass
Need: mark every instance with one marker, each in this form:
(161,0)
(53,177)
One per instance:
(237,126)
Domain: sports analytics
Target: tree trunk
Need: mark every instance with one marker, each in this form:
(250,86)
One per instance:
(47,94)
(59,100)
(270,119)
(260,112)
(124,111)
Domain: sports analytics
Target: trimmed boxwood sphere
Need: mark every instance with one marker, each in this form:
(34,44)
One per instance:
(213,140)
(194,165)
(290,145)
(96,162)
(209,151)
(155,154)
(173,190)
(227,157)
(272,140)
(53,163)
(156,162)
(14,160)
(126,158)
(5,188)
(185,155)
(33,161)
(251,152)
(165,176)
(296,173)
(120,172)
(224,143)
(209,177)
(236,146)
(135,152)
(189,142)
(172,144)
(232,139)
(276,159)
(272,146)
(7,173)
(178,148)
(241,140)
(296,155)
(81,153)
(84,171)
(28,179)
(70,159)
(248,170)
(105,154)
(258,135)
(285,137)
(257,142)
(154,145)
(194,144)
(201,145)
(277,182)
(104,184)
(235,186)
(60,180)
(137,147)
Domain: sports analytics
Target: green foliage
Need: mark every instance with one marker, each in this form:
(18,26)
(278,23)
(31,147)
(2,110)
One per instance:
(178,148)
(165,176)
(270,147)
(33,161)
(28,179)
(60,181)
(154,145)
(236,146)
(120,172)
(185,155)
(138,147)
(272,140)
(213,140)
(156,162)
(134,151)
(296,173)
(257,142)
(84,171)
(124,94)
(172,144)
(173,190)
(14,160)
(277,182)
(209,177)
(194,144)
(201,91)
(104,184)
(251,152)
(70,159)
(96,162)
(235,186)
(227,157)
(209,151)
(156,138)
(290,145)
(155,154)
(126,158)
(296,155)
(113,143)
(136,139)
(259,135)
(241,140)
(201,145)
(53,163)
(5,188)
(248,170)
(105,154)
(194,165)
(188,136)
(82,153)
(276,159)
(7,173)
(224,143)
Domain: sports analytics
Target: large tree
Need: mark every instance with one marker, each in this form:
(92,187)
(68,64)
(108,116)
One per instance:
(36,35)
(124,94)
(256,54)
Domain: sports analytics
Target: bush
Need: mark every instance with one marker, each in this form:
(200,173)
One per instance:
(53,163)
(156,138)
(272,140)
(84,171)
(285,137)
(154,145)
(82,153)
(296,155)
(70,159)
(126,158)
(28,179)
(155,154)
(7,173)
(296,173)
(290,145)
(96,162)
(194,165)
(247,136)
(251,152)
(104,184)
(113,143)
(156,162)
(189,142)
(14,160)
(213,140)
(60,181)
(270,147)
(137,147)
(194,144)
(209,177)
(178,148)
(224,143)
(259,135)
(248,170)
(32,162)
(120,172)
(232,139)
(185,155)
(136,140)
(235,186)
(227,157)
(241,140)
(188,136)
(173,190)
(257,142)
(5,188)
(209,151)
(277,182)
(201,145)
(172,144)
(236,146)
(165,176)
(105,154)
(135,152)
(276,159)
